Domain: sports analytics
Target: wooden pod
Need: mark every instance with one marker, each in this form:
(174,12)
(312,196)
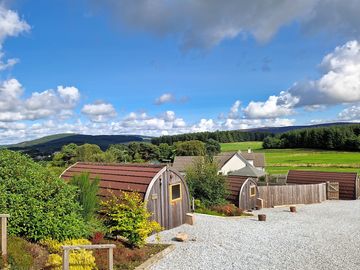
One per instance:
(163,189)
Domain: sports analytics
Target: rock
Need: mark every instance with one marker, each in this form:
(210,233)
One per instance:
(181,237)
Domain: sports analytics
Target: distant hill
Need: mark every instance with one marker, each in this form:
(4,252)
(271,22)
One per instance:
(46,146)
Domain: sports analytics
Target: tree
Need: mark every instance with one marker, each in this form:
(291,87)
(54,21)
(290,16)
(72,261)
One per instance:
(212,147)
(119,153)
(66,156)
(166,152)
(89,153)
(149,151)
(190,148)
(205,183)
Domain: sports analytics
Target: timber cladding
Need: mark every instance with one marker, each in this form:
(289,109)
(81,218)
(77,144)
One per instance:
(243,191)
(347,181)
(292,194)
(163,188)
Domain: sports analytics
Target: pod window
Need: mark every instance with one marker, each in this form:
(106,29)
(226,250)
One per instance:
(175,192)
(252,190)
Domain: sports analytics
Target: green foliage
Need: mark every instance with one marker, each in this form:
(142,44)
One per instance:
(166,152)
(89,153)
(40,204)
(119,152)
(190,148)
(18,254)
(128,217)
(343,137)
(205,183)
(141,152)
(87,196)
(78,259)
(212,147)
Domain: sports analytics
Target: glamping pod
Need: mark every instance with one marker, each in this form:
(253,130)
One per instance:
(163,188)
(348,182)
(243,191)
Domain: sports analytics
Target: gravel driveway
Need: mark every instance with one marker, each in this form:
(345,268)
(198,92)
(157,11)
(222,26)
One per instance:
(319,236)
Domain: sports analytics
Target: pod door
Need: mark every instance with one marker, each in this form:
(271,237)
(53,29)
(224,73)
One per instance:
(177,200)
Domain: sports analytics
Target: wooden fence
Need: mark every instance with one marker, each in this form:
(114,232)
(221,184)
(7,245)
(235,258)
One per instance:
(292,194)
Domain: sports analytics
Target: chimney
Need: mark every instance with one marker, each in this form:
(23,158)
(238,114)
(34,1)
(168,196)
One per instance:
(249,150)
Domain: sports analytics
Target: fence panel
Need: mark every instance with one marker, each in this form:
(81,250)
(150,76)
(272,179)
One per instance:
(292,194)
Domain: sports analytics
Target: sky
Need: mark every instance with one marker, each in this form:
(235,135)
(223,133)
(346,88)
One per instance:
(173,66)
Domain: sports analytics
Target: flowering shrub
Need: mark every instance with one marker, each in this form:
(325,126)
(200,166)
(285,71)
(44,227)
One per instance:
(79,259)
(128,217)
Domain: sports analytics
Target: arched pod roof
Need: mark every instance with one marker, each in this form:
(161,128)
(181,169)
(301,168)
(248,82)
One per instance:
(234,184)
(116,177)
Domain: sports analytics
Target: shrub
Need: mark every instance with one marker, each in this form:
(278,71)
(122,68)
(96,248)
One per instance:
(228,210)
(78,259)
(205,183)
(128,217)
(24,255)
(87,196)
(40,205)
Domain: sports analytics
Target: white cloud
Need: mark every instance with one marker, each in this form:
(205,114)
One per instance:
(99,112)
(272,108)
(165,98)
(10,26)
(38,106)
(339,83)
(234,110)
(351,113)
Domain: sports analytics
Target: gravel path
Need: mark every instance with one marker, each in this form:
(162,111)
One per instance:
(319,236)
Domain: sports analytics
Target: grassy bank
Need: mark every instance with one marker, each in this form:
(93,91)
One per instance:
(279,161)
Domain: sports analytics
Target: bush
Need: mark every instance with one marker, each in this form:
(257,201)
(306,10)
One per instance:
(228,210)
(78,259)
(40,205)
(128,217)
(205,183)
(24,255)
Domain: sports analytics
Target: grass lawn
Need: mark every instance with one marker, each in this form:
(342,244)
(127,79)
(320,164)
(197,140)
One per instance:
(280,161)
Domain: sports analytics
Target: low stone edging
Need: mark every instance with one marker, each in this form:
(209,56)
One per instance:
(154,259)
(229,217)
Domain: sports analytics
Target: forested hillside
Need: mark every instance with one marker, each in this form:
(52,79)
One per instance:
(220,136)
(345,137)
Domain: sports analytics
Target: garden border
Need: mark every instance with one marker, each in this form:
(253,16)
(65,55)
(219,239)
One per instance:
(154,259)
(228,217)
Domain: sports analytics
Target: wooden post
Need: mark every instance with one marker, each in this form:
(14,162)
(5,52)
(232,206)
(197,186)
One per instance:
(111,259)
(4,218)
(66,260)
(67,249)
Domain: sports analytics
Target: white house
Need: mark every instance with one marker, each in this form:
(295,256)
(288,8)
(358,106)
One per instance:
(228,162)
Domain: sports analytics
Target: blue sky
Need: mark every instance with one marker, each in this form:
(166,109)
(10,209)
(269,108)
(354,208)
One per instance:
(164,67)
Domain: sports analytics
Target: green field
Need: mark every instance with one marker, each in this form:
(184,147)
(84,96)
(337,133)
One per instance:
(279,161)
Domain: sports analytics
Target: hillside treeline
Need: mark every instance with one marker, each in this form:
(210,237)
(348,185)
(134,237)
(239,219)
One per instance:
(329,138)
(220,136)
(133,152)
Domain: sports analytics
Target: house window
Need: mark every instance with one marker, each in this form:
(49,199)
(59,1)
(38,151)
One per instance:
(175,192)
(252,190)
